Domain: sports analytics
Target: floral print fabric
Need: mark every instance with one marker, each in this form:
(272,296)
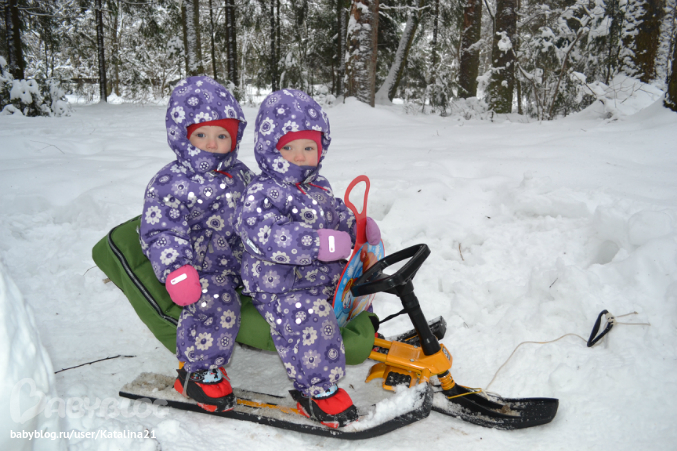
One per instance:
(189,216)
(306,336)
(282,210)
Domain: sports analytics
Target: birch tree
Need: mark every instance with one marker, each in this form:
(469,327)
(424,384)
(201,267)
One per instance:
(387,91)
(469,51)
(362,36)
(502,83)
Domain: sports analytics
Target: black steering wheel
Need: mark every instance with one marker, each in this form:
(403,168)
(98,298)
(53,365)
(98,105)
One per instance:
(373,280)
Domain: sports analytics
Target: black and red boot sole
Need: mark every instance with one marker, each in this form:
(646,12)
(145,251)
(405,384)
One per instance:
(195,392)
(309,409)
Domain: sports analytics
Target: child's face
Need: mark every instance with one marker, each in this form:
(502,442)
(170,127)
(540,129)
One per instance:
(301,152)
(211,138)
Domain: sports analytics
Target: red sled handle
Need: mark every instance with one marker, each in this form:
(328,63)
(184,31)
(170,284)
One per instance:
(361,217)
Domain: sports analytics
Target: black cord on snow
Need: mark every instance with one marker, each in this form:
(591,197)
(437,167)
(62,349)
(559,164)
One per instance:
(594,337)
(94,361)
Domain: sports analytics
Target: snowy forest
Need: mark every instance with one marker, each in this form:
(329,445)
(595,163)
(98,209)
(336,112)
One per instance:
(540,59)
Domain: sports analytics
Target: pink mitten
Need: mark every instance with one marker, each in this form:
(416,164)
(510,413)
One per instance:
(373,232)
(334,245)
(183,286)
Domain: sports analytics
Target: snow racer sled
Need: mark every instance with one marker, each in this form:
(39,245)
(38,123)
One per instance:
(414,359)
(414,364)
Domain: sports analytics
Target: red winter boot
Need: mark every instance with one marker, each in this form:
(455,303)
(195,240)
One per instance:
(210,388)
(334,409)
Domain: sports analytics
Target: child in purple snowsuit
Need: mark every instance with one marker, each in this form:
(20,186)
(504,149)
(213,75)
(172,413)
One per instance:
(187,232)
(296,236)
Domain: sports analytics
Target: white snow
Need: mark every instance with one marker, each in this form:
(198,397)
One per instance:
(28,377)
(504,44)
(534,227)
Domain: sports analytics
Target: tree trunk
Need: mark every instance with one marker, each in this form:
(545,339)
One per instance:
(231,50)
(435,96)
(663,57)
(184,20)
(671,94)
(273,48)
(192,34)
(341,21)
(15,63)
(277,34)
(614,11)
(502,83)
(103,82)
(362,37)
(646,40)
(211,38)
(470,53)
(387,91)
(518,86)
(198,37)
(115,56)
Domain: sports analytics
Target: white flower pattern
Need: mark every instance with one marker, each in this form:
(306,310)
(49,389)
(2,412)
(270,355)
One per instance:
(188,218)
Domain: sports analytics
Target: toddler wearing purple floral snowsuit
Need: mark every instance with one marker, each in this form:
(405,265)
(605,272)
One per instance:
(278,221)
(188,219)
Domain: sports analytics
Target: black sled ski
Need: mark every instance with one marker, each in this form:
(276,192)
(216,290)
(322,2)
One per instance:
(485,410)
(281,412)
(493,411)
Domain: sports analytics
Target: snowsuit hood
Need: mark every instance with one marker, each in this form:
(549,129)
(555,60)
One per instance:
(195,100)
(288,110)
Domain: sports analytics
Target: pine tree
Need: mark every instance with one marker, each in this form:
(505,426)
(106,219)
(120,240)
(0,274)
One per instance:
(231,42)
(274,43)
(647,40)
(470,55)
(101,52)
(643,19)
(436,92)
(13,25)
(663,56)
(341,25)
(671,94)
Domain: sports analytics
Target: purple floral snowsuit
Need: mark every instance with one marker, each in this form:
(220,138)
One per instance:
(188,219)
(278,221)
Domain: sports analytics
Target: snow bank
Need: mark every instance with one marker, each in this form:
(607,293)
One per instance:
(624,96)
(28,376)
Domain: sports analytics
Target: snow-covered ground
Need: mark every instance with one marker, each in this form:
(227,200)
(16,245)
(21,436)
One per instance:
(534,229)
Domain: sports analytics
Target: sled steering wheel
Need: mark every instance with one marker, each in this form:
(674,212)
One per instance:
(374,281)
